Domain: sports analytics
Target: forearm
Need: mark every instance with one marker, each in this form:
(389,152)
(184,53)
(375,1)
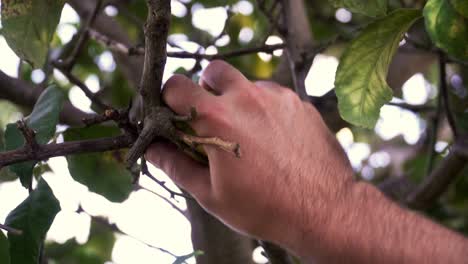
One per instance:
(369,228)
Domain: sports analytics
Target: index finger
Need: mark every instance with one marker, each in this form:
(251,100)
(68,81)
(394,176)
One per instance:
(222,77)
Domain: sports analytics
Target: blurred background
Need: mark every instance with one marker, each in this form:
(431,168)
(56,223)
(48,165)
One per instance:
(150,230)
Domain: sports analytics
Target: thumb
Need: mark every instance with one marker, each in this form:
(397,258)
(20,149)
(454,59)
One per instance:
(184,171)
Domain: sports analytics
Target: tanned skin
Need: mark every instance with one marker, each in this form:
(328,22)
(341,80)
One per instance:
(293,184)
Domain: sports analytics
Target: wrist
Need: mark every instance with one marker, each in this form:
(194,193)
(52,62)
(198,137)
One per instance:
(339,224)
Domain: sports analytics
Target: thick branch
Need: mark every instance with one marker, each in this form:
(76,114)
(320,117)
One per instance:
(299,43)
(43,152)
(156,32)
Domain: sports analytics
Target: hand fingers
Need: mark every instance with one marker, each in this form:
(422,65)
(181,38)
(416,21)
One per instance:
(184,171)
(222,77)
(181,94)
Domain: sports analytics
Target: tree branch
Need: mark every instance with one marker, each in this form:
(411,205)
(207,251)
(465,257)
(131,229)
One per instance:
(437,182)
(413,108)
(169,202)
(444,93)
(83,36)
(114,228)
(11,229)
(434,184)
(92,96)
(299,43)
(156,32)
(25,94)
(131,66)
(130,51)
(43,152)
(145,171)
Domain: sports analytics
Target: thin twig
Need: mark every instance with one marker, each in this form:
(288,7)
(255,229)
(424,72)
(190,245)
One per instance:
(182,212)
(235,53)
(444,94)
(145,171)
(12,230)
(114,228)
(92,96)
(130,51)
(83,37)
(413,108)
(455,60)
(115,45)
(434,133)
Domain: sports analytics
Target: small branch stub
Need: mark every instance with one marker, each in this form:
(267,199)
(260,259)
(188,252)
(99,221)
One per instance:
(29,136)
(194,141)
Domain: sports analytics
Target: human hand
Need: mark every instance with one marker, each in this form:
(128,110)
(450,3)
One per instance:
(292,171)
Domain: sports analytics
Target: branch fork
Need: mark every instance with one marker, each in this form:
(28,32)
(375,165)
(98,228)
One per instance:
(159,123)
(29,136)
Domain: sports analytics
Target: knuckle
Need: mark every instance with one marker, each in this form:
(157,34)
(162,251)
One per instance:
(214,113)
(251,95)
(290,95)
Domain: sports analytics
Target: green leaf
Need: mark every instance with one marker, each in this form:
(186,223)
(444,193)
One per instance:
(4,249)
(28,27)
(103,173)
(5,174)
(360,78)
(372,8)
(97,250)
(447,28)
(43,121)
(461,6)
(33,217)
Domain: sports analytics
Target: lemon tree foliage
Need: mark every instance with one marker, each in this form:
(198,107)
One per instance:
(360,83)
(372,8)
(461,6)
(103,173)
(33,217)
(29,25)
(43,120)
(447,28)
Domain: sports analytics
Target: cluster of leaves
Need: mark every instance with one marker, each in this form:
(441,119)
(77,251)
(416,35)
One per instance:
(360,82)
